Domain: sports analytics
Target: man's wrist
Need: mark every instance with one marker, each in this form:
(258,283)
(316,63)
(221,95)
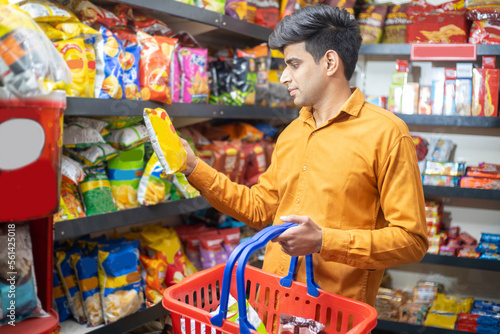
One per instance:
(190,169)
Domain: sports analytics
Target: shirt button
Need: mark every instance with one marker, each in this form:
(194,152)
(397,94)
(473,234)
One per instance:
(313,134)
(304,168)
(297,200)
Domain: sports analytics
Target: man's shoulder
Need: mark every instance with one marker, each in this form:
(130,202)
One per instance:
(384,118)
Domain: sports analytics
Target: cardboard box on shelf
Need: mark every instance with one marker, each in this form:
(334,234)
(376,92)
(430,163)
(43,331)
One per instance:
(463,94)
(410,98)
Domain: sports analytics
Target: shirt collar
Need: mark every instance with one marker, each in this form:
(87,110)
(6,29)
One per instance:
(352,106)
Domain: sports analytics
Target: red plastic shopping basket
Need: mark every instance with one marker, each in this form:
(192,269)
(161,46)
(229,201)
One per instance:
(192,300)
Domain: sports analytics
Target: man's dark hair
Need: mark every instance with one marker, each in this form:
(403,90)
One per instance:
(322,28)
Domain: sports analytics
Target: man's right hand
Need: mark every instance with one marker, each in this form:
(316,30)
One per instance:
(192,160)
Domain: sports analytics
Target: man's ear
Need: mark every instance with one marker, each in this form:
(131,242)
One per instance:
(332,61)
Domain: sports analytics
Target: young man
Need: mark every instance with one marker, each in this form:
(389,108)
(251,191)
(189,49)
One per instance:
(345,170)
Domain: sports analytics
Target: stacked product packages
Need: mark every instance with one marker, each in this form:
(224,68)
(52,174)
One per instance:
(485,176)
(449,91)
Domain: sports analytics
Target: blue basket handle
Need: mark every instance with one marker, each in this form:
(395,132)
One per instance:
(226,278)
(272,232)
(312,286)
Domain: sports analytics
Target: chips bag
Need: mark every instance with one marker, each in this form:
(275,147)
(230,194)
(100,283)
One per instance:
(124,174)
(165,141)
(78,136)
(212,5)
(131,80)
(94,155)
(94,15)
(194,82)
(109,50)
(154,187)
(86,274)
(119,281)
(96,192)
(70,206)
(154,67)
(244,79)
(73,52)
(71,171)
(175,76)
(29,65)
(128,138)
(61,305)
(46,11)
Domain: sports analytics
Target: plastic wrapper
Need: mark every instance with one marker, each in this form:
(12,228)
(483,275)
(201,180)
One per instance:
(289,6)
(222,68)
(87,122)
(77,136)
(131,81)
(156,271)
(294,324)
(71,171)
(60,304)
(86,274)
(256,162)
(154,186)
(395,24)
(109,50)
(94,155)
(444,168)
(120,281)
(217,6)
(128,138)
(57,31)
(237,9)
(124,173)
(91,14)
(46,11)
(183,186)
(485,32)
(96,192)
(444,320)
(70,205)
(154,67)
(262,62)
(17,269)
(165,141)
(212,251)
(148,24)
(30,65)
(120,122)
(371,23)
(70,283)
(194,81)
(267,13)
(243,79)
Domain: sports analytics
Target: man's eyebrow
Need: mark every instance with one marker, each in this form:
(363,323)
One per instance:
(289,60)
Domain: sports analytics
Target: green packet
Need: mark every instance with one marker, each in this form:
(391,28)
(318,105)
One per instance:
(94,155)
(96,192)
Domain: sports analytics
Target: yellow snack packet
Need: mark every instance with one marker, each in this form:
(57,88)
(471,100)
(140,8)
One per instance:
(73,52)
(165,141)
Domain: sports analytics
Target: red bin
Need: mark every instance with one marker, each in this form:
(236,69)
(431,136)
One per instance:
(30,155)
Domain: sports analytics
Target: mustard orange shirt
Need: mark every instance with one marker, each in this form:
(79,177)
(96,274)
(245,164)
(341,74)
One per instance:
(356,176)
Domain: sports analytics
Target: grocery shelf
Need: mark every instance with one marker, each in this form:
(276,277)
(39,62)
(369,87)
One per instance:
(462,192)
(400,327)
(470,263)
(405,49)
(81,226)
(79,106)
(123,325)
(459,121)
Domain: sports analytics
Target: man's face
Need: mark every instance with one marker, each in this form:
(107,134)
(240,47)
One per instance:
(305,79)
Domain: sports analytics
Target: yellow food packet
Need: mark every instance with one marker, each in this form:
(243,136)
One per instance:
(165,141)
(73,52)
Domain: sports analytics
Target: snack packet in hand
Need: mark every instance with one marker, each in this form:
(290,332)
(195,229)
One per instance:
(164,139)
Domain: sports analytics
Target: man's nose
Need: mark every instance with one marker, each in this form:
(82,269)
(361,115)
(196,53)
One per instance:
(285,78)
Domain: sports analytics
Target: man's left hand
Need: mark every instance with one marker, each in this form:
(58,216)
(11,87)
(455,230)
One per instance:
(301,240)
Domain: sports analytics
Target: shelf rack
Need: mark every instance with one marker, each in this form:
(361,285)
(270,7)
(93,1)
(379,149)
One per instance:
(464,262)
(405,49)
(462,192)
(400,327)
(90,224)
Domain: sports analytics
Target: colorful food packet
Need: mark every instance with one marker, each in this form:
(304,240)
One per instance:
(120,281)
(80,137)
(371,23)
(156,270)
(294,324)
(223,78)
(86,274)
(154,188)
(94,155)
(96,192)
(244,79)
(30,65)
(70,206)
(165,141)
(109,51)
(267,13)
(237,9)
(395,24)
(46,11)
(184,187)
(194,82)
(91,14)
(175,76)
(128,138)
(87,122)
(61,305)
(22,288)
(71,171)
(217,6)
(148,24)
(124,172)
(131,80)
(70,283)
(154,67)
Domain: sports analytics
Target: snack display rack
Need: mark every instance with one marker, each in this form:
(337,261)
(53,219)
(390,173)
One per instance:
(215,29)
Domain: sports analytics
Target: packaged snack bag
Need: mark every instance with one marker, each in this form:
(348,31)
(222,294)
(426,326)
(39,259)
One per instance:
(91,14)
(263,63)
(149,25)
(46,11)
(120,122)
(70,283)
(70,204)
(175,76)
(154,67)
(267,13)
(184,187)
(237,9)
(212,5)
(78,136)
(194,82)
(395,24)
(156,270)
(256,162)
(73,52)
(292,324)
(96,192)
(371,23)
(86,274)
(128,138)
(30,65)
(119,281)
(27,303)
(87,122)
(165,141)
(71,171)
(91,67)
(61,305)
(124,172)
(244,79)
(110,51)
(154,187)
(223,78)
(131,80)
(94,155)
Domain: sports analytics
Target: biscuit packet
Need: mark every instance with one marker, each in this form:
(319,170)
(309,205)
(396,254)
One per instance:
(165,141)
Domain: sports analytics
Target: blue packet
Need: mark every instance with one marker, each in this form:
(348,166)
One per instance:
(131,72)
(60,300)
(109,50)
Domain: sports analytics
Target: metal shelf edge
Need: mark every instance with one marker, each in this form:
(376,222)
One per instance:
(82,226)
(400,327)
(454,261)
(405,49)
(459,121)
(462,192)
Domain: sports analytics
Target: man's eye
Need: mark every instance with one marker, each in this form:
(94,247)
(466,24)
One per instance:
(295,65)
